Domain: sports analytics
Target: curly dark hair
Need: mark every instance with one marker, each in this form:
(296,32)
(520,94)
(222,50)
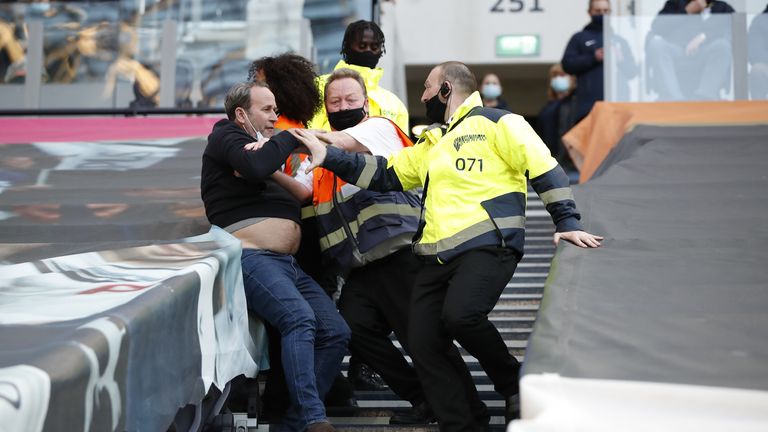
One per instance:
(355,31)
(291,78)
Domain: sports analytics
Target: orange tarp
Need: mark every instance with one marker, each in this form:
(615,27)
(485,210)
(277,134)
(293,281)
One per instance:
(590,141)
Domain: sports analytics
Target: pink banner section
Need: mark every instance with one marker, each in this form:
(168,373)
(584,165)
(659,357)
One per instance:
(25,130)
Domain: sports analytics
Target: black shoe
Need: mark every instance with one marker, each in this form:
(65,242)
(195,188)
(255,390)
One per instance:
(512,408)
(341,394)
(362,377)
(418,414)
(483,416)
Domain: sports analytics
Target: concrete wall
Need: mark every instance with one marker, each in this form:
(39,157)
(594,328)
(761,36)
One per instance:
(432,31)
(422,33)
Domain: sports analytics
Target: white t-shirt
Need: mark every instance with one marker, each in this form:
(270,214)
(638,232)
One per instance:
(377,134)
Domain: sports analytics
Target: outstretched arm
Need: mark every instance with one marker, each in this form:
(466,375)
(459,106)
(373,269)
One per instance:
(553,188)
(296,188)
(579,238)
(521,145)
(363,170)
(259,164)
(343,141)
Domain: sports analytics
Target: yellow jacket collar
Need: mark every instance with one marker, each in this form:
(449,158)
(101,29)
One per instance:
(370,76)
(474,100)
(431,134)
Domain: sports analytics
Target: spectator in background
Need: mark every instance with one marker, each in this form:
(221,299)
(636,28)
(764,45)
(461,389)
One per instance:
(362,47)
(146,82)
(558,115)
(12,56)
(758,56)
(490,90)
(690,58)
(584,56)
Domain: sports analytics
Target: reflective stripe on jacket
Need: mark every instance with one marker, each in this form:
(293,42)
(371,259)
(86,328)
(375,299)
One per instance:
(359,226)
(477,188)
(381,102)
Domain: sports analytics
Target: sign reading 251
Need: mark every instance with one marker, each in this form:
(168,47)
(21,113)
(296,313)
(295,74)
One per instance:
(515,6)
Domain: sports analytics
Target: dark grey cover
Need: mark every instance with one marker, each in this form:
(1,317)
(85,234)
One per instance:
(678,293)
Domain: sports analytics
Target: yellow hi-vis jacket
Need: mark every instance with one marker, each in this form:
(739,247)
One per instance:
(381,102)
(474,179)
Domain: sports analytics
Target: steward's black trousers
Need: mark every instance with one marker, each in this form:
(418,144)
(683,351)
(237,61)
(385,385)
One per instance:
(375,301)
(450,302)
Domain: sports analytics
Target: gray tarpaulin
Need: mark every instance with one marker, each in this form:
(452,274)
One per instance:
(679,291)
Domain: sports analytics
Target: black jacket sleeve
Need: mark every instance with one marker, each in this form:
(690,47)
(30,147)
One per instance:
(575,60)
(258,164)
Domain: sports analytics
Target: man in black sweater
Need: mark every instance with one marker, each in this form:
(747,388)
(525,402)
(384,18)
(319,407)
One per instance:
(242,195)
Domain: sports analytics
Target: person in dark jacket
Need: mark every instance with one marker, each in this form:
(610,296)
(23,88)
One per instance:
(758,56)
(241,196)
(557,116)
(690,58)
(583,58)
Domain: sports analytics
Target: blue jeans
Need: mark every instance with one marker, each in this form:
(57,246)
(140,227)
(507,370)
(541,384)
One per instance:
(314,336)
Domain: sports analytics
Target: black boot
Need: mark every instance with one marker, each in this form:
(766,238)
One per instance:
(341,394)
(418,414)
(512,408)
(362,377)
(482,415)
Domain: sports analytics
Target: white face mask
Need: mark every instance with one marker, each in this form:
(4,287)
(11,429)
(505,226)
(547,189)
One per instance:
(560,84)
(490,91)
(256,133)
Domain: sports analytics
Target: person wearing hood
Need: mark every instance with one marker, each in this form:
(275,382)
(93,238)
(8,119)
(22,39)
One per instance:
(583,58)
(361,49)
(490,90)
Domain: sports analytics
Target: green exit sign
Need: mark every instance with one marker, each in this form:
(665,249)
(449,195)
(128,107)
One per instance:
(517,45)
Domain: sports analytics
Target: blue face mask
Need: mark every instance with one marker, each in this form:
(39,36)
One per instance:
(560,84)
(490,91)
(597,20)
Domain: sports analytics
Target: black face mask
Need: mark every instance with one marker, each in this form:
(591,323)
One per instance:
(362,58)
(597,21)
(341,120)
(436,109)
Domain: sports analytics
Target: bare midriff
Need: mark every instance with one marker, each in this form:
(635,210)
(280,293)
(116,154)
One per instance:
(274,234)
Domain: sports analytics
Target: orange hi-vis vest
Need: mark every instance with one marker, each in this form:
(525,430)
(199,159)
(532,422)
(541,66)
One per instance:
(357,226)
(294,159)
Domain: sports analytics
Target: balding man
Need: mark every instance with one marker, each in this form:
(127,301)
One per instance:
(473,229)
(241,196)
